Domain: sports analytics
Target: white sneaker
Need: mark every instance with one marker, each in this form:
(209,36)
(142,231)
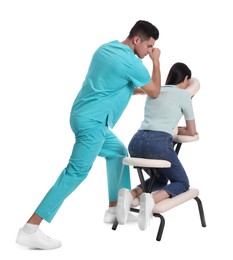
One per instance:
(37,240)
(131,218)
(109,218)
(124,202)
(146,207)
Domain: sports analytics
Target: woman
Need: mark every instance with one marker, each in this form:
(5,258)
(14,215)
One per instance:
(154,140)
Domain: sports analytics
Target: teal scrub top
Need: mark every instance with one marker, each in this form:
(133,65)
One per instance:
(164,112)
(113,74)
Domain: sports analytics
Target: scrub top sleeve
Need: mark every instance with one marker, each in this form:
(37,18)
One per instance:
(139,75)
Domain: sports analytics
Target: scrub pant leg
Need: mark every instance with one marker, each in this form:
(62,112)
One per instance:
(118,174)
(92,138)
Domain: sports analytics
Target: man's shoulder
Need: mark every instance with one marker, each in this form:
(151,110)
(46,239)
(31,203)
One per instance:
(109,44)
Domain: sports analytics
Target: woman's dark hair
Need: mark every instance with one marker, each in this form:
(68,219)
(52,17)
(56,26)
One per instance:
(144,30)
(177,73)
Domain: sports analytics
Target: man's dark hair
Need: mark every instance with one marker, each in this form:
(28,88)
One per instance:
(144,30)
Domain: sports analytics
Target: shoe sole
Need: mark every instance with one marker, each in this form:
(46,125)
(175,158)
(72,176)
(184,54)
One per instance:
(32,245)
(145,212)
(122,210)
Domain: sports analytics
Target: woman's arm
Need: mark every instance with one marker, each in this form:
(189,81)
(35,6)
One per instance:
(189,129)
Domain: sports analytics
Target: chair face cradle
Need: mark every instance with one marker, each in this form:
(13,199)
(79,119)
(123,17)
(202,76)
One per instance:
(151,166)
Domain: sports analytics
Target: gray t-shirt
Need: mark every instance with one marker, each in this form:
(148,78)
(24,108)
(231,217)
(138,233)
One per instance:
(164,112)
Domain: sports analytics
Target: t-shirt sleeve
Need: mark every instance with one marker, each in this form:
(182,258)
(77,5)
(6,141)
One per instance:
(187,106)
(138,74)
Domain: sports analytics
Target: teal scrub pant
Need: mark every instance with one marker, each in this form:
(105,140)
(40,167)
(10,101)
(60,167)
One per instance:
(92,139)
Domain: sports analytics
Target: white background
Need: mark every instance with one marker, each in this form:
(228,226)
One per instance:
(45,50)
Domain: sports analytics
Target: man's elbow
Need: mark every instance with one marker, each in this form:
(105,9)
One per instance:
(154,94)
(152,90)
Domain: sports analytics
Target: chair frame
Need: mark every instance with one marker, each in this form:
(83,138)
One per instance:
(154,175)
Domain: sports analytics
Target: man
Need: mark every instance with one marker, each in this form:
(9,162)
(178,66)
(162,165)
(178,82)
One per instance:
(115,73)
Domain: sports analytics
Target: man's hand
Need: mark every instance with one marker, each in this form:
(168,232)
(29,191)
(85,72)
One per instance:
(155,54)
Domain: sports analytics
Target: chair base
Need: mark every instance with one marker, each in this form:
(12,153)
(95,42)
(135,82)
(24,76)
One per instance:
(168,204)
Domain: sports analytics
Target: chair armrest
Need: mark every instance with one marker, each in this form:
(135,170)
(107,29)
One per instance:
(185,138)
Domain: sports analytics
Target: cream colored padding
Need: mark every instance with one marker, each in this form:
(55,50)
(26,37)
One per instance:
(170,203)
(185,138)
(193,87)
(149,163)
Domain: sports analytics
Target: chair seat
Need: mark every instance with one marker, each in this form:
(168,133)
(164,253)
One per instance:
(170,203)
(147,163)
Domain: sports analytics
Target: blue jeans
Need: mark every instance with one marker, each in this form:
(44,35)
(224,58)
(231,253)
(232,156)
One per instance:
(93,139)
(159,145)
